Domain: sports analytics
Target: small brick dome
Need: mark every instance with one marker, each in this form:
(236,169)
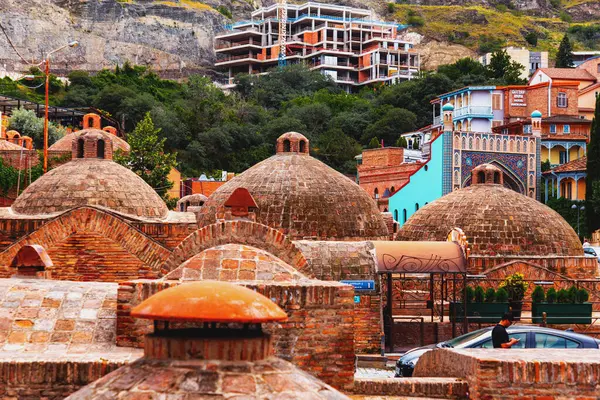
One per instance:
(91,181)
(302,197)
(65,143)
(497,222)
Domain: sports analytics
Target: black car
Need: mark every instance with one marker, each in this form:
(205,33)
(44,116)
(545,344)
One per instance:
(531,337)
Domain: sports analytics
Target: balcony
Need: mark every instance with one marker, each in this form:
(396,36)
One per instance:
(249,42)
(437,120)
(473,111)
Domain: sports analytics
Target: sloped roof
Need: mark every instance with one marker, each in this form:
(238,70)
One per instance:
(568,73)
(573,166)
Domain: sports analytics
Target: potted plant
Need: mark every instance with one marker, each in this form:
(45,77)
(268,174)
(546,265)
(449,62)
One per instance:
(482,306)
(562,307)
(516,287)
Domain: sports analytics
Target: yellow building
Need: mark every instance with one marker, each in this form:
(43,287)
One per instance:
(567,180)
(175,177)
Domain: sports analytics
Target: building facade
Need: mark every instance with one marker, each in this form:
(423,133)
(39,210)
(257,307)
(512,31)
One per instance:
(345,43)
(531,60)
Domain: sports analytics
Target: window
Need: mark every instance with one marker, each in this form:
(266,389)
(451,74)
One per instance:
(302,146)
(497,178)
(100,149)
(80,148)
(481,177)
(521,345)
(562,100)
(562,157)
(286,146)
(404,215)
(396,215)
(526,128)
(496,101)
(376,193)
(552,128)
(416,207)
(546,341)
(566,128)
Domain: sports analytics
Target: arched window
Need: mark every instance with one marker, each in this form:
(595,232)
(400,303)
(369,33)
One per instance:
(201,203)
(80,144)
(464,143)
(376,193)
(531,147)
(404,215)
(416,207)
(470,143)
(302,146)
(496,177)
(497,144)
(100,149)
(484,144)
(481,177)
(287,146)
(385,210)
(393,190)
(182,207)
(456,160)
(396,215)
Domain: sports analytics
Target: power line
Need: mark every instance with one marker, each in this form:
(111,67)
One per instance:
(13,46)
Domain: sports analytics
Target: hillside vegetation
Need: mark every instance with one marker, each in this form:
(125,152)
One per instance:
(485,29)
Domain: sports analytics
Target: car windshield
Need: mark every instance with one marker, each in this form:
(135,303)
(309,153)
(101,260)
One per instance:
(464,338)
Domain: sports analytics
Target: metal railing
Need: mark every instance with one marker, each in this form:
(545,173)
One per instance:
(467,110)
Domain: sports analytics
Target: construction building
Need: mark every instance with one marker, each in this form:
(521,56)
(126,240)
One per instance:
(345,43)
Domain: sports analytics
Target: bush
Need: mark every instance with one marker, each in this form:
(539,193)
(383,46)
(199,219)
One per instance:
(532,38)
(566,17)
(515,286)
(582,295)
(572,294)
(415,20)
(469,293)
(391,8)
(479,294)
(538,295)
(490,295)
(501,296)
(501,7)
(562,296)
(551,296)
(555,3)
(401,142)
(225,11)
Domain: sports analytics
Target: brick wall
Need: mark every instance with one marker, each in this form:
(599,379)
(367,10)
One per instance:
(50,380)
(317,336)
(12,230)
(521,374)
(89,244)
(18,159)
(169,235)
(440,388)
(367,323)
(383,157)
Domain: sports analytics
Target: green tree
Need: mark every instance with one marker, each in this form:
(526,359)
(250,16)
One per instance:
(501,67)
(28,124)
(401,142)
(564,57)
(337,150)
(390,124)
(374,143)
(147,157)
(593,174)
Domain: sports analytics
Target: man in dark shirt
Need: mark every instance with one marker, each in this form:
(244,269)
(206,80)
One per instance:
(500,337)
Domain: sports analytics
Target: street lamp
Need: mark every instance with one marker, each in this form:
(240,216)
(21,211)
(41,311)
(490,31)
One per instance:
(46,63)
(574,206)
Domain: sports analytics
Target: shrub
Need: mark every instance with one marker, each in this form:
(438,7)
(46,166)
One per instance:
(562,296)
(551,296)
(225,11)
(555,3)
(479,294)
(501,7)
(566,17)
(391,7)
(572,294)
(582,295)
(515,286)
(415,20)
(501,296)
(532,38)
(490,295)
(469,293)
(538,295)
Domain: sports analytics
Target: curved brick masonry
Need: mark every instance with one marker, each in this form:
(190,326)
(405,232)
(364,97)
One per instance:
(317,337)
(518,374)
(443,388)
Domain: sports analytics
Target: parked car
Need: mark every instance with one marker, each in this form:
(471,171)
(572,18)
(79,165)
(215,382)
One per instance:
(592,251)
(531,337)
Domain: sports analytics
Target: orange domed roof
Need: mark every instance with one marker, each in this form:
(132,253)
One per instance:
(65,143)
(209,301)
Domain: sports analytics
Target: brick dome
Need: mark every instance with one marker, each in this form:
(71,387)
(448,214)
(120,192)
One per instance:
(65,142)
(302,197)
(91,181)
(497,221)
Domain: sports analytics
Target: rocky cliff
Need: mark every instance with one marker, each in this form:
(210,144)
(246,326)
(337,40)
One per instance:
(175,37)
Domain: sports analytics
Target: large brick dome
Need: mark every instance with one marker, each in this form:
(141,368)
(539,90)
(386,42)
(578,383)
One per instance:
(302,197)
(89,181)
(497,221)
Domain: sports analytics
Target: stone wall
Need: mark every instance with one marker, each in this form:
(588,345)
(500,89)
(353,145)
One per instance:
(20,160)
(572,267)
(517,374)
(317,336)
(368,326)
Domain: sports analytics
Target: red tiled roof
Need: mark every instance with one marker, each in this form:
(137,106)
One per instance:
(568,73)
(576,165)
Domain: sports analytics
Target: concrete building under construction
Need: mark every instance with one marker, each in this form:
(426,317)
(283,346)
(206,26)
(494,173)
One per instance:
(345,43)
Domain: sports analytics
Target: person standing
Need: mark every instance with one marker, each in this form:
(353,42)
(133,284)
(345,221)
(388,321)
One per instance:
(500,338)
